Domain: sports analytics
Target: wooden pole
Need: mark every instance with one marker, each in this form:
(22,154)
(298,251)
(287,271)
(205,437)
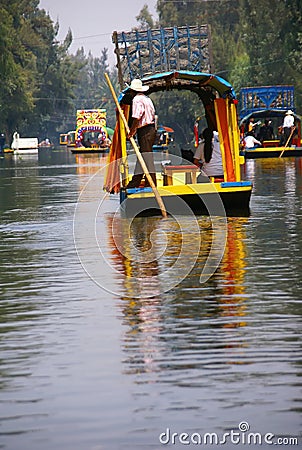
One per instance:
(286,144)
(136,149)
(117,52)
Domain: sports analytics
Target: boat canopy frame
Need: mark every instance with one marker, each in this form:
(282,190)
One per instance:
(163,49)
(273,99)
(205,85)
(198,82)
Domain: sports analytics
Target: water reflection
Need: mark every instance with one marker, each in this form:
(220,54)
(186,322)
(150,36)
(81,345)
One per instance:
(174,322)
(233,270)
(83,368)
(213,343)
(136,255)
(90,164)
(275,173)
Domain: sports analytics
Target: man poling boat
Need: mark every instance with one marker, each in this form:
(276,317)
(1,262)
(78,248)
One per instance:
(219,103)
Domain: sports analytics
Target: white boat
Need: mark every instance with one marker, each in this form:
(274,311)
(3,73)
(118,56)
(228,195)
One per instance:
(24,145)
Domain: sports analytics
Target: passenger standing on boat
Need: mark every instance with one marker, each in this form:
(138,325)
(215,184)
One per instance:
(266,132)
(208,154)
(143,124)
(251,126)
(288,125)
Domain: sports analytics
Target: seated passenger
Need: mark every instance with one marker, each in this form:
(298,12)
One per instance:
(102,138)
(251,142)
(208,154)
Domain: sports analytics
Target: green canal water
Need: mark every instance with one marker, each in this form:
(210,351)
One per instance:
(108,339)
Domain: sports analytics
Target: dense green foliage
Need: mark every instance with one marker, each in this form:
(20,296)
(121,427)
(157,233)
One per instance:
(253,43)
(263,36)
(42,84)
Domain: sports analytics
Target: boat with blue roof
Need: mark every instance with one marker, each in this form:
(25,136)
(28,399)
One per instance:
(178,181)
(267,106)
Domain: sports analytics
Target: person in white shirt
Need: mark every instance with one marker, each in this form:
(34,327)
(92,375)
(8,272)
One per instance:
(143,124)
(251,142)
(208,154)
(288,125)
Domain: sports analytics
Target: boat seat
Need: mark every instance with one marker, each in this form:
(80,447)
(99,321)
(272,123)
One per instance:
(190,172)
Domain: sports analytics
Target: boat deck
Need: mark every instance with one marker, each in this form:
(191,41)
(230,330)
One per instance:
(209,198)
(272,152)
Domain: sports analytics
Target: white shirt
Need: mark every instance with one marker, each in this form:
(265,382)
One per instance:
(199,150)
(288,121)
(250,142)
(214,167)
(143,109)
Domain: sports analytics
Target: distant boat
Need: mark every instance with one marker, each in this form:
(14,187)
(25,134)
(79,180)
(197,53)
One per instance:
(91,135)
(269,103)
(46,144)
(71,138)
(63,138)
(164,137)
(24,145)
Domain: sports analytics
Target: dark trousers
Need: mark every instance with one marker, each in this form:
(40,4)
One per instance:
(146,138)
(287,131)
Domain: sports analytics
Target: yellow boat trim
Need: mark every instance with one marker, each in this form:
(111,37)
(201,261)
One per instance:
(271,149)
(187,189)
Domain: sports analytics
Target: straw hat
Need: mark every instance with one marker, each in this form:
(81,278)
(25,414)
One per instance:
(289,112)
(137,85)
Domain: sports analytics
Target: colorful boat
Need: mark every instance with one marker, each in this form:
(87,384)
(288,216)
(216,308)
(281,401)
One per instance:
(177,180)
(71,139)
(63,138)
(46,144)
(164,139)
(91,135)
(269,103)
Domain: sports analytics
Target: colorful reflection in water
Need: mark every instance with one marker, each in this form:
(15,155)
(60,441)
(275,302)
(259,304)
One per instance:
(89,368)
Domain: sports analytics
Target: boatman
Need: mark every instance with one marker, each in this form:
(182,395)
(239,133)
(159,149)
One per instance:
(143,124)
(288,127)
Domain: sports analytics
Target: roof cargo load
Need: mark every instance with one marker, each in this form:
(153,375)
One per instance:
(141,53)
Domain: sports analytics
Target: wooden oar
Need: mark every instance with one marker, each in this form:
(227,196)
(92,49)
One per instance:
(136,149)
(286,144)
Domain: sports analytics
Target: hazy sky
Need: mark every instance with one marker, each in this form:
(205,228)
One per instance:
(93,21)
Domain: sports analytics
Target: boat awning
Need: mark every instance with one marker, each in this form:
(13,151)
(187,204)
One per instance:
(109,130)
(188,80)
(267,114)
(162,129)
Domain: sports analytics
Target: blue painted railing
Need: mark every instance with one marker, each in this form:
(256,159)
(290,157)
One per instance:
(253,99)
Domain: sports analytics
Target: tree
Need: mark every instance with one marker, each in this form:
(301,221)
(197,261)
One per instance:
(254,43)
(92,91)
(17,77)
(145,19)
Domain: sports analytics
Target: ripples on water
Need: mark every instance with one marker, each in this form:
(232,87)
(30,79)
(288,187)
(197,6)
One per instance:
(85,368)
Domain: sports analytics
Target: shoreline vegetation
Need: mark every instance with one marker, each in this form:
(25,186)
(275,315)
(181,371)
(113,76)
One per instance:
(43,84)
